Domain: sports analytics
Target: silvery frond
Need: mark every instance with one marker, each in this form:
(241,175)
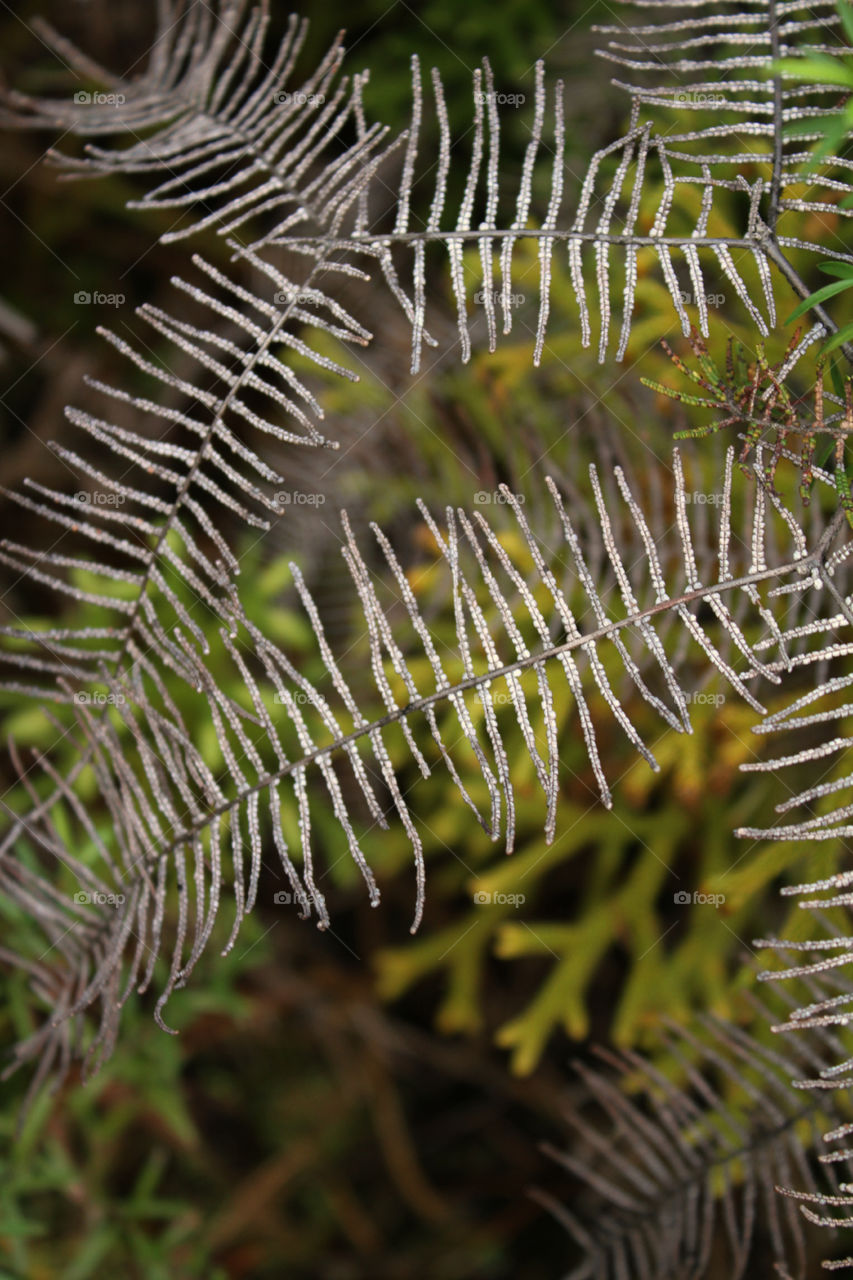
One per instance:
(823,1011)
(233,139)
(813,767)
(676,1166)
(603,228)
(712,64)
(821,809)
(243,152)
(152,504)
(189,43)
(203,60)
(546,627)
(824,706)
(818,716)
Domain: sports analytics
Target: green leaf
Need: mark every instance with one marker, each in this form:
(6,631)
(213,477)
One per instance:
(19,1227)
(834,128)
(828,291)
(837,373)
(845,13)
(818,70)
(91,1254)
(843,335)
(843,270)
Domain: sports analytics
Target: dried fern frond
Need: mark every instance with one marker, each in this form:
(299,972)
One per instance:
(161,495)
(189,42)
(233,144)
(826,1007)
(715,65)
(679,1168)
(534,630)
(823,706)
(603,236)
(819,717)
(267,162)
(816,809)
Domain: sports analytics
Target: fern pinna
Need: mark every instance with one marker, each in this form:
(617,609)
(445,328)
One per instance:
(288,175)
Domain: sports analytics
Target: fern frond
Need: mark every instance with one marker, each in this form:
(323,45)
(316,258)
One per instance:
(161,501)
(270,165)
(526,609)
(719,67)
(675,1177)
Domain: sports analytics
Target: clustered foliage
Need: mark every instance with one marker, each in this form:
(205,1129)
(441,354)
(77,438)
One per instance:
(604,613)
